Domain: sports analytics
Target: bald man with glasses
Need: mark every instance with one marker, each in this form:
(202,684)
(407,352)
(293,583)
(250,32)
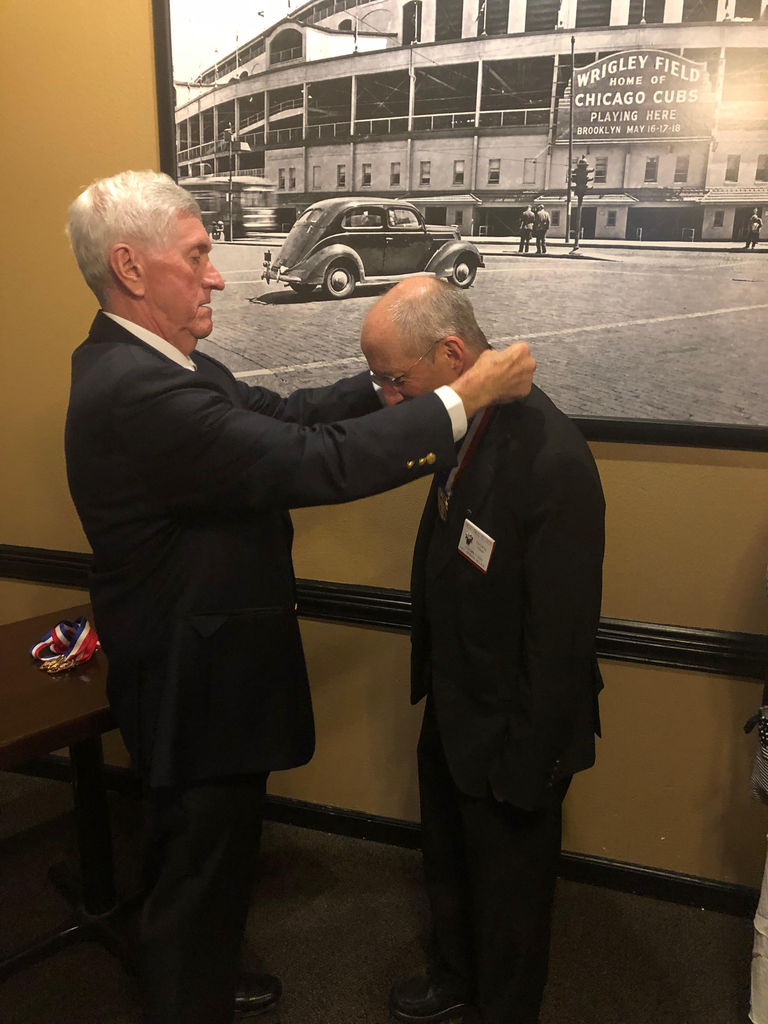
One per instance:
(506,589)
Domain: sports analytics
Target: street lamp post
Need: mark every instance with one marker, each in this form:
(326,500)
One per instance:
(228,131)
(570,151)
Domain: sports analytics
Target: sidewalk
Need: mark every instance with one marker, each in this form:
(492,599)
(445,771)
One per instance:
(508,245)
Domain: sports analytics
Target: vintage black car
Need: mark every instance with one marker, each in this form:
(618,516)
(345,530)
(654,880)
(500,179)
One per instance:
(337,244)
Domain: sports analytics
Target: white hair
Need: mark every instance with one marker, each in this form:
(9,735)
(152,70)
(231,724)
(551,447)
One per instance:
(134,206)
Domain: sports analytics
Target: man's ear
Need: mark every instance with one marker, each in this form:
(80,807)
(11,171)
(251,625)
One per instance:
(455,352)
(127,267)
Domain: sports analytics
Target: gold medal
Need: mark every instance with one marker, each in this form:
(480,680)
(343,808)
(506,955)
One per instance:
(442,504)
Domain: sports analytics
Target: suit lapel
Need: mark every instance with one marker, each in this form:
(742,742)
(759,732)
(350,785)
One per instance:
(469,498)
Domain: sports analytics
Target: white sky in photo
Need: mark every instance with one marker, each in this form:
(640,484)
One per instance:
(202,31)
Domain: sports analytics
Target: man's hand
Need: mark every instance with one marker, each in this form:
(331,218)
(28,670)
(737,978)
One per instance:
(496,377)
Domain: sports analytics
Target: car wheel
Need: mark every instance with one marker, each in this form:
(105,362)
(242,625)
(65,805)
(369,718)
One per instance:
(303,290)
(464,270)
(339,281)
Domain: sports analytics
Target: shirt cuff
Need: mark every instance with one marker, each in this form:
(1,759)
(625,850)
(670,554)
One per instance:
(455,409)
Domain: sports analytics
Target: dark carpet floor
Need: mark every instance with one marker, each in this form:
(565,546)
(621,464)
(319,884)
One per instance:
(339,919)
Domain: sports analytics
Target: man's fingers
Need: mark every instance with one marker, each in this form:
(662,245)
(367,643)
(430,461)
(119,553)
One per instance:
(519,367)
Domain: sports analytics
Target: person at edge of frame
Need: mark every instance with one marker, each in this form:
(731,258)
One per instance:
(754,226)
(506,590)
(182,477)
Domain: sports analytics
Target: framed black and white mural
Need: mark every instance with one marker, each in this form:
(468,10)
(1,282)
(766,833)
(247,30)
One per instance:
(336,145)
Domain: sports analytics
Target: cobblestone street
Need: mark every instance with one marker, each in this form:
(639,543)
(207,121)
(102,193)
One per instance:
(628,334)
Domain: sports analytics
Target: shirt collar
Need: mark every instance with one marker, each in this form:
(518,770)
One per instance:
(160,344)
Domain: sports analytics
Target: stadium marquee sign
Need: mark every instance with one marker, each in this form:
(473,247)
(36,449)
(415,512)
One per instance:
(638,95)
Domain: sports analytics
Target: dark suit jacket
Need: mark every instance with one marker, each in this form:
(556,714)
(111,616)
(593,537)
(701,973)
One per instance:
(509,656)
(182,481)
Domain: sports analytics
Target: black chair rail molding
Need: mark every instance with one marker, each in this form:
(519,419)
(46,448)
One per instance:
(743,655)
(718,652)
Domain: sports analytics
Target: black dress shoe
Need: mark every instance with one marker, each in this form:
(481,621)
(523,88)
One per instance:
(256,993)
(423,1000)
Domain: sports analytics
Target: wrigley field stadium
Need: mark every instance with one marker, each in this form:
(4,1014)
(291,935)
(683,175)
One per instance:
(467,108)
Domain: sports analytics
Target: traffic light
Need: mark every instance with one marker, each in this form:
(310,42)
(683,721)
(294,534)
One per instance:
(581,178)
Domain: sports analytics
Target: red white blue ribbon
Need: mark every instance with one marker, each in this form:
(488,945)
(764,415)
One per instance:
(68,644)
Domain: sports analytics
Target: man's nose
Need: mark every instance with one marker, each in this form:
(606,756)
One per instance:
(391,395)
(213,278)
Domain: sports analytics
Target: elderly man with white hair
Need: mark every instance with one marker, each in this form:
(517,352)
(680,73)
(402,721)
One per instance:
(183,478)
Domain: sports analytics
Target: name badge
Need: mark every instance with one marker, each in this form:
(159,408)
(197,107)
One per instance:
(476,546)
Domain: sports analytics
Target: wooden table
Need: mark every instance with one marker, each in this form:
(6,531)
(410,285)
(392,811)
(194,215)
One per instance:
(40,713)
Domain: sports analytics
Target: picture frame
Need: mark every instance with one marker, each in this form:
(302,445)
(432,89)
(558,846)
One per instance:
(686,431)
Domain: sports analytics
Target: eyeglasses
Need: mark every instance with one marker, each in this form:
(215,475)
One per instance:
(384,379)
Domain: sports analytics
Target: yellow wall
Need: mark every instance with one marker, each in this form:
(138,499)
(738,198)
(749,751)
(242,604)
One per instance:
(687,531)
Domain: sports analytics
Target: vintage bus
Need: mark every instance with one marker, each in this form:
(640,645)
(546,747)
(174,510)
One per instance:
(253,210)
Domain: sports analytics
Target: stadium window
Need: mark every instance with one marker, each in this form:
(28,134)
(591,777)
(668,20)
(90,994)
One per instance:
(425,174)
(732,167)
(458,172)
(366,178)
(492,17)
(699,10)
(651,169)
(650,11)
(448,19)
(341,175)
(291,177)
(394,173)
(601,170)
(494,171)
(281,178)
(529,171)
(411,22)
(610,220)
(761,171)
(555,218)
(719,219)
(316,176)
(541,15)
(593,13)
(681,168)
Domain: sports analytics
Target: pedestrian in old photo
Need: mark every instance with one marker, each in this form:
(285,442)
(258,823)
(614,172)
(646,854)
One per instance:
(527,218)
(753,229)
(540,228)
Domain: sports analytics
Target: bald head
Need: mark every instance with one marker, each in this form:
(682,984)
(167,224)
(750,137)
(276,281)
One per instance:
(425,319)
(421,309)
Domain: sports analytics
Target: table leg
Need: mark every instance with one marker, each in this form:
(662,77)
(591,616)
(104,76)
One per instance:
(97,916)
(94,835)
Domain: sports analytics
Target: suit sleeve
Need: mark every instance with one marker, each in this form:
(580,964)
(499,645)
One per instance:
(346,399)
(562,540)
(195,448)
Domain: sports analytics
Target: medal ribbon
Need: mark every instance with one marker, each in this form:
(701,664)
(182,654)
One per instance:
(68,644)
(471,440)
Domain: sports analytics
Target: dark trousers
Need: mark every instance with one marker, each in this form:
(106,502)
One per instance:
(525,239)
(541,242)
(202,847)
(490,872)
